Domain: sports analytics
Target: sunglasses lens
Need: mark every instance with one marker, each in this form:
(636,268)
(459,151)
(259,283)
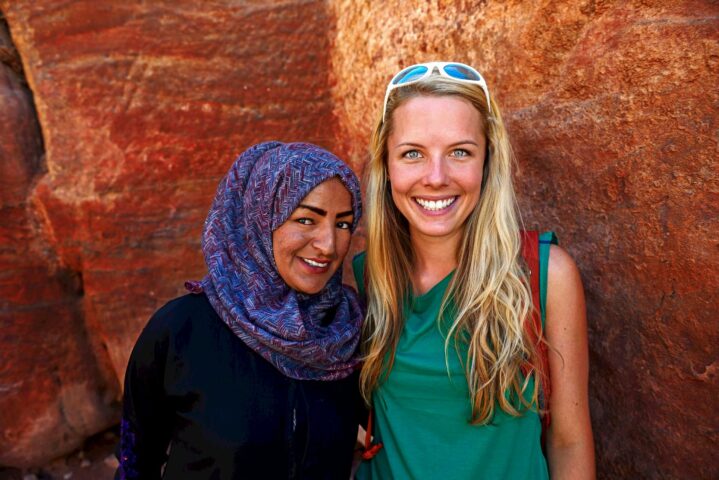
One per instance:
(461,72)
(412,73)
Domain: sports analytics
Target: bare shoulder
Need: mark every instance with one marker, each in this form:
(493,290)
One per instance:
(569,438)
(565,296)
(562,273)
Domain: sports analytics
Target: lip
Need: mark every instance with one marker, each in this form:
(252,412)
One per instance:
(441,211)
(315,268)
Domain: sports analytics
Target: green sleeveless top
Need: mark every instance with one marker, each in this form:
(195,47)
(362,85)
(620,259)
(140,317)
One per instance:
(422,414)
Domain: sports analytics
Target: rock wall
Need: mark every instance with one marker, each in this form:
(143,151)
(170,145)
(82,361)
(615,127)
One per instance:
(52,391)
(612,108)
(117,119)
(143,106)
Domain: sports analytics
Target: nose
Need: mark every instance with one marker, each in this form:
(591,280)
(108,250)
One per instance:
(436,172)
(325,240)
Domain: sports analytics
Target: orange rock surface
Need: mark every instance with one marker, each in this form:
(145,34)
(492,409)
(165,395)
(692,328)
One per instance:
(613,112)
(133,111)
(142,108)
(52,391)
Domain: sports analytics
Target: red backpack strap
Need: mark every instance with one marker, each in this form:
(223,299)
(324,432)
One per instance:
(533,326)
(530,252)
(370,450)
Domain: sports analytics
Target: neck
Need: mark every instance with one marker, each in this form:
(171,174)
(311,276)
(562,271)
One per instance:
(434,259)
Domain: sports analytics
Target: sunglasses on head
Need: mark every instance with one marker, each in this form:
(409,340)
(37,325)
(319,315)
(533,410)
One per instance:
(456,71)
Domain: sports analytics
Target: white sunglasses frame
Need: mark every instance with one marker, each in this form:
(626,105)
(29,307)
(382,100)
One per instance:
(430,71)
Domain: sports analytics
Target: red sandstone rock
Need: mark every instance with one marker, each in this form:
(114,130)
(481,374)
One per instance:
(143,108)
(612,107)
(52,395)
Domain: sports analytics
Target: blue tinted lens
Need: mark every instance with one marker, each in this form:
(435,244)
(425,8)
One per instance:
(412,73)
(461,72)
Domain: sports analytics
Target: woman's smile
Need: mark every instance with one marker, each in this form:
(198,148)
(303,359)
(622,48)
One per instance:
(436,206)
(435,157)
(316,264)
(311,245)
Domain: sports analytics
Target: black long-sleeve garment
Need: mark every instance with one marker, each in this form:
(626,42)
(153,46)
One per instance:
(224,411)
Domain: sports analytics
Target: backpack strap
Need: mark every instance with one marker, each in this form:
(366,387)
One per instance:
(370,450)
(359,268)
(534,324)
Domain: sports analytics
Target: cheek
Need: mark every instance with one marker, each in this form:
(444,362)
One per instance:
(470,178)
(285,243)
(398,178)
(344,239)
(401,180)
(477,182)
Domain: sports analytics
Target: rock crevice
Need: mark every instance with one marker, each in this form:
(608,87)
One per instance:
(46,356)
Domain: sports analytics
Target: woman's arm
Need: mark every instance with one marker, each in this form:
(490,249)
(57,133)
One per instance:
(570,446)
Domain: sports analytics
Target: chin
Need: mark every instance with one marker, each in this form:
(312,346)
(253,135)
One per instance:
(310,289)
(436,231)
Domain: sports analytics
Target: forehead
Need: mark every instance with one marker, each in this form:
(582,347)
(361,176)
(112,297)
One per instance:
(436,116)
(329,195)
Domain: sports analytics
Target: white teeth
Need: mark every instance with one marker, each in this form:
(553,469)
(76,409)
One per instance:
(435,205)
(315,264)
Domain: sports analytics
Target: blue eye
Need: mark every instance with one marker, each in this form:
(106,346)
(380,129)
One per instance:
(412,154)
(460,152)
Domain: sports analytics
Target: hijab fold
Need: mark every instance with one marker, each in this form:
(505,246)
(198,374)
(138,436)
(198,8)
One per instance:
(306,337)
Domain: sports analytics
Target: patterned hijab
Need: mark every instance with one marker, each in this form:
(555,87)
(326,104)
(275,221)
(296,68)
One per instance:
(306,337)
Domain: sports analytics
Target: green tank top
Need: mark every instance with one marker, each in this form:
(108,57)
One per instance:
(422,413)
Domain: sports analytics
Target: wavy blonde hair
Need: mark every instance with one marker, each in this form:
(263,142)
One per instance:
(489,290)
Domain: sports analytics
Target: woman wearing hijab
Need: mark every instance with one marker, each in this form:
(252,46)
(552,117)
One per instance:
(253,374)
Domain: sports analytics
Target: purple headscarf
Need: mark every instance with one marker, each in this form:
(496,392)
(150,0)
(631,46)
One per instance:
(306,337)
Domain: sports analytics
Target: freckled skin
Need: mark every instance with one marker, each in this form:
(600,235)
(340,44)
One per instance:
(436,152)
(319,231)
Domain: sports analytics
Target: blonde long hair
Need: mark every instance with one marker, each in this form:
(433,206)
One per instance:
(489,289)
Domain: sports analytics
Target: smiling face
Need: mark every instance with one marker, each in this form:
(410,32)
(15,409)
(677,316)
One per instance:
(312,243)
(435,155)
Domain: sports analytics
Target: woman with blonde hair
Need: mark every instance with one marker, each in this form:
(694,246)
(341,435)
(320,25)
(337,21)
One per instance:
(454,369)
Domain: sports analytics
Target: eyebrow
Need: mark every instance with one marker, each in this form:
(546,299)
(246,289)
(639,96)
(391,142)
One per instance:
(319,211)
(412,144)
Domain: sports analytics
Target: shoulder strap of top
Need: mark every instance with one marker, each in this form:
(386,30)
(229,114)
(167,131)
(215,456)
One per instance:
(546,239)
(537,258)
